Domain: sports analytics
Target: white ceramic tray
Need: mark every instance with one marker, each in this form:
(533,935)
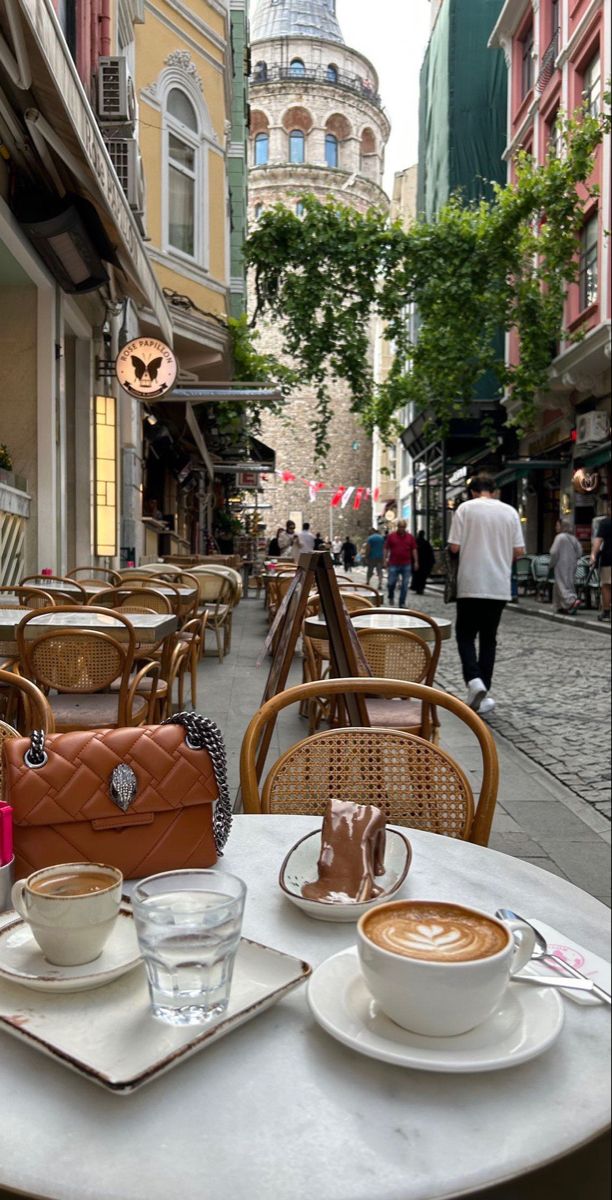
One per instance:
(110,1036)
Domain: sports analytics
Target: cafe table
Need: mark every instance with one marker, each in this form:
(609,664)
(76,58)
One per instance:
(315,627)
(149,628)
(279,1110)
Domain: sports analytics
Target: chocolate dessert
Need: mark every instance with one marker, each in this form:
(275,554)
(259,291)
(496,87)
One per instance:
(352,854)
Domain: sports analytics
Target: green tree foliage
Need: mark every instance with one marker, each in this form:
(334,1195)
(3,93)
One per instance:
(503,264)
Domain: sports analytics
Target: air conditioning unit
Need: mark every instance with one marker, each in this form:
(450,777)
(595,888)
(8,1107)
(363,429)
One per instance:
(127,161)
(592,427)
(116,99)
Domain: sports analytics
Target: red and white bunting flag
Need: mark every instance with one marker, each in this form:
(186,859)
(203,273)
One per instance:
(314,488)
(358,497)
(348,492)
(376,495)
(337,497)
(287,477)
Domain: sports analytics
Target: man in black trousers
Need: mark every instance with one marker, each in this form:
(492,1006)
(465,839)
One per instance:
(487,536)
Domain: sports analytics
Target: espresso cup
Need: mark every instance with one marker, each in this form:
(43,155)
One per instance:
(71,909)
(436,968)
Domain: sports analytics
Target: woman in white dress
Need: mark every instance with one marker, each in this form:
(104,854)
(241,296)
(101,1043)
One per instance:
(564,554)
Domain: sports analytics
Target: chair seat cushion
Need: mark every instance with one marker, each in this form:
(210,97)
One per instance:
(221,611)
(96,711)
(144,687)
(394,714)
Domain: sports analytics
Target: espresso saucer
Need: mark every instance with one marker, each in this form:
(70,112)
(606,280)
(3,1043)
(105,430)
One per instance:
(22,961)
(526,1023)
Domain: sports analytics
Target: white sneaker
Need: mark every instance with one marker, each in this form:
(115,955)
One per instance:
(476,693)
(486,707)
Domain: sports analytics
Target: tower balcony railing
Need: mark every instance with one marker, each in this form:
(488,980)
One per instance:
(277,73)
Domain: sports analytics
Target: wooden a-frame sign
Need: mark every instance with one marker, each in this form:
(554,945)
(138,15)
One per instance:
(314,570)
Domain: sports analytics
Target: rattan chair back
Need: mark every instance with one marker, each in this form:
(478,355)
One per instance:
(214,588)
(129,594)
(97,575)
(476,827)
(397,654)
(28,597)
(67,597)
(413,782)
(353,603)
(75,660)
(156,569)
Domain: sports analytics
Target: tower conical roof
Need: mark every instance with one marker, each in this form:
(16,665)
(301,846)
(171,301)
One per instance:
(296,18)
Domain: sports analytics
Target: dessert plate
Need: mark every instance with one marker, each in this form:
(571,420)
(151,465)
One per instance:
(22,961)
(526,1023)
(300,867)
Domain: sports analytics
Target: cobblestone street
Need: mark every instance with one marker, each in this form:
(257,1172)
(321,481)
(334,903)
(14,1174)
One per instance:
(553,696)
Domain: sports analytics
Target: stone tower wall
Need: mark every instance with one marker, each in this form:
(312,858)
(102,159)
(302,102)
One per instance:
(351,110)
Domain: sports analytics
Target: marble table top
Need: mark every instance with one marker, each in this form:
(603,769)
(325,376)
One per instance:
(385,619)
(149,628)
(168,589)
(280,1110)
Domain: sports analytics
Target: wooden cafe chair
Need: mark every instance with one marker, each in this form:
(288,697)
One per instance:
(26,596)
(75,594)
(99,575)
(414,781)
(76,668)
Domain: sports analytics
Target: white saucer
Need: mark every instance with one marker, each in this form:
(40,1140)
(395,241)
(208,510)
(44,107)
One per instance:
(300,867)
(527,1022)
(22,961)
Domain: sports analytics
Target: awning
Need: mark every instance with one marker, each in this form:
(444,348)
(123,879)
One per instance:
(231,393)
(262,461)
(520,470)
(596,458)
(70,129)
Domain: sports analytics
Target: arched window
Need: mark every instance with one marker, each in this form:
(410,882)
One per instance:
(332,73)
(257,211)
(262,149)
(297,67)
(260,73)
(299,209)
(331,150)
(185,174)
(297,146)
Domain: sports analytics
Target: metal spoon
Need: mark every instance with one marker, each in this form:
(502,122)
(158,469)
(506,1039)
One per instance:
(542,953)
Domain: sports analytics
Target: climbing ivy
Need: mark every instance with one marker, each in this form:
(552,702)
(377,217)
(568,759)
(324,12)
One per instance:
(499,264)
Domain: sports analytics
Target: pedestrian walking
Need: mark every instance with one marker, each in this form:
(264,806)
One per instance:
(303,543)
(285,538)
(601,557)
(401,555)
(319,542)
(564,555)
(426,558)
(375,556)
(487,536)
(336,548)
(349,551)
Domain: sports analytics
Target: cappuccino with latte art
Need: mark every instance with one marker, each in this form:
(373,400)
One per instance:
(443,933)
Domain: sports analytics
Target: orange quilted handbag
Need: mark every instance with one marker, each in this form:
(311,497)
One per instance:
(145,799)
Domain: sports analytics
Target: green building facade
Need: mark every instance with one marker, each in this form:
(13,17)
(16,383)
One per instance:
(237,168)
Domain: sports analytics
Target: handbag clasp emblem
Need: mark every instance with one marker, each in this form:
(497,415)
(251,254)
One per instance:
(123,786)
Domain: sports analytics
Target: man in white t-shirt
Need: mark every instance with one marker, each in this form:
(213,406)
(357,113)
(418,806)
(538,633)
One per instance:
(303,543)
(487,536)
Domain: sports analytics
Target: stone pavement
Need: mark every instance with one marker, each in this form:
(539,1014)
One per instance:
(550,729)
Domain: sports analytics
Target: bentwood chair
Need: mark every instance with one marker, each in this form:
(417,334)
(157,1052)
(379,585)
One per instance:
(217,599)
(134,594)
(23,707)
(77,668)
(26,596)
(74,594)
(99,575)
(413,781)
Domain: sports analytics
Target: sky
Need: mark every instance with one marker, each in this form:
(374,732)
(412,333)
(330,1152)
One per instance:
(393,34)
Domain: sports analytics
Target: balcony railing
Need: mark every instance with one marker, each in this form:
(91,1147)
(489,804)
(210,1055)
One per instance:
(549,59)
(275,73)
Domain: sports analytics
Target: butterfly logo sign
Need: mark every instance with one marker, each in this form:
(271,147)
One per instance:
(146,368)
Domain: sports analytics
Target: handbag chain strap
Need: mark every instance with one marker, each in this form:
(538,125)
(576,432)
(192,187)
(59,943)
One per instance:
(200,734)
(203,734)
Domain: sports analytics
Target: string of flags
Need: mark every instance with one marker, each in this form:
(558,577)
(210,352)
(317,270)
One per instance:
(340,496)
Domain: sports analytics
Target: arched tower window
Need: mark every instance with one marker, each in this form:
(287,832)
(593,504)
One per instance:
(297,146)
(299,209)
(297,67)
(368,154)
(262,149)
(332,73)
(260,74)
(257,211)
(331,150)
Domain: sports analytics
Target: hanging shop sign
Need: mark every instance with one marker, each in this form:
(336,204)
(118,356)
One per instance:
(585,481)
(146,368)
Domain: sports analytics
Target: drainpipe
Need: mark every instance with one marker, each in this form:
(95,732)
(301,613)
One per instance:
(105,26)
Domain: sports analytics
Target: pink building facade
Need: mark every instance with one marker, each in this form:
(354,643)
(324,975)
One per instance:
(558,57)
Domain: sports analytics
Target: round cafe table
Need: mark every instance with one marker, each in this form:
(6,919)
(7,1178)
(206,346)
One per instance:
(278,1109)
(315,627)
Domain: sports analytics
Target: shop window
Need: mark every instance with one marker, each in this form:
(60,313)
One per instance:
(331,150)
(185,170)
(297,146)
(297,67)
(262,149)
(332,73)
(591,86)
(589,273)
(527,65)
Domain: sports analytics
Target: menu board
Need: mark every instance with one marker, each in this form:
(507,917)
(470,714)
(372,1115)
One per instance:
(315,570)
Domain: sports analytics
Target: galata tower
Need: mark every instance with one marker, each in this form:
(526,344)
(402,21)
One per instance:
(317,126)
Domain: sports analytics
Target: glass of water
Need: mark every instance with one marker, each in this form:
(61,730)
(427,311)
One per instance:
(188,925)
